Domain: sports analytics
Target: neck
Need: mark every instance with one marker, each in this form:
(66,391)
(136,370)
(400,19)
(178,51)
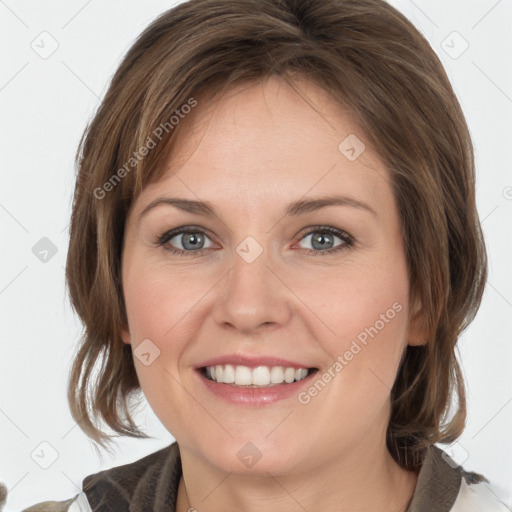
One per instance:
(363,479)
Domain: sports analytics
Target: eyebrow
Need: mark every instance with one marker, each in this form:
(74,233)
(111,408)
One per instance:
(300,207)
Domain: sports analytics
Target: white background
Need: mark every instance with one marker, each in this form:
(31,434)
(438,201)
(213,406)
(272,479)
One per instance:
(45,104)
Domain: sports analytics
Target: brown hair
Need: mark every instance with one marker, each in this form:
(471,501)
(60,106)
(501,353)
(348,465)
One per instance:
(369,58)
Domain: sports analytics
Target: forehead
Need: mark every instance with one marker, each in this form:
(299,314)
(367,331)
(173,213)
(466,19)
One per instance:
(269,142)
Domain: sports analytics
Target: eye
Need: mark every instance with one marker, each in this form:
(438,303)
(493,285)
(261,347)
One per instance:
(190,241)
(322,239)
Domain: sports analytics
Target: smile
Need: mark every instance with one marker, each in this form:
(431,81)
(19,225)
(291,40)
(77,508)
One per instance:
(260,376)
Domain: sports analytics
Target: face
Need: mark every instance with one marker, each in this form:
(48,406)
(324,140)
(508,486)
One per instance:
(259,289)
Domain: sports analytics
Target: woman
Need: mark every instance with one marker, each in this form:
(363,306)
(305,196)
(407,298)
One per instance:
(274,236)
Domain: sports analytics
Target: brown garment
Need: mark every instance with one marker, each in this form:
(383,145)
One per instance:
(149,484)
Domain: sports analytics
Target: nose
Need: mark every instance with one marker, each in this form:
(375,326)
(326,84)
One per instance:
(252,296)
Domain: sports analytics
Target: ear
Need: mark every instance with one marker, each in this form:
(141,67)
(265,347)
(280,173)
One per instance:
(125,336)
(416,335)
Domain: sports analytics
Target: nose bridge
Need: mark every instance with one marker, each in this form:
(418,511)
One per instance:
(251,295)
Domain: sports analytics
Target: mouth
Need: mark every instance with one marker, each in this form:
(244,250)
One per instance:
(240,376)
(254,380)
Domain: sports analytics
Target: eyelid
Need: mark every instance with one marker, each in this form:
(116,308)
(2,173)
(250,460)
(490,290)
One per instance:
(347,238)
(326,228)
(171,233)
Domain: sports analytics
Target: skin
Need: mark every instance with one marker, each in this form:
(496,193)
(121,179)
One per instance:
(250,153)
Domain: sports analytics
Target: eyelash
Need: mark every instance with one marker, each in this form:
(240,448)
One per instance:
(348,240)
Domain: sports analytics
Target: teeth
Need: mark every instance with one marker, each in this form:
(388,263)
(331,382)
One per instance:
(289,375)
(277,375)
(260,376)
(243,376)
(229,374)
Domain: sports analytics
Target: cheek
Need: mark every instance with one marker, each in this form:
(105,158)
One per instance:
(158,301)
(350,299)
(363,328)
(374,319)
(361,315)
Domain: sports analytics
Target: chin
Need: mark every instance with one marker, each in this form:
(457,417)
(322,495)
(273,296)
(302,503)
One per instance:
(258,456)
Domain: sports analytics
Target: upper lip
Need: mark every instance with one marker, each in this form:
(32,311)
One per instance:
(252,361)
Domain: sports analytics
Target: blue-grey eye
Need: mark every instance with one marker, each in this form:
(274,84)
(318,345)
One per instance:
(191,240)
(322,240)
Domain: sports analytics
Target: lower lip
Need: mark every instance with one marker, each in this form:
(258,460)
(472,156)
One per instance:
(254,396)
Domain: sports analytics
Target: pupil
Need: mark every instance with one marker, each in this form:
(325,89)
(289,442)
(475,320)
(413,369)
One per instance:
(191,239)
(319,241)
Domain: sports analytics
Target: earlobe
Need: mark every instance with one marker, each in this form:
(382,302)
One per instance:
(416,335)
(125,336)
(416,341)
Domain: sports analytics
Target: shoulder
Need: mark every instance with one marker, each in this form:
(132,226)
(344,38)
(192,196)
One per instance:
(148,482)
(124,474)
(77,504)
(444,486)
(476,493)
(142,481)
(478,497)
